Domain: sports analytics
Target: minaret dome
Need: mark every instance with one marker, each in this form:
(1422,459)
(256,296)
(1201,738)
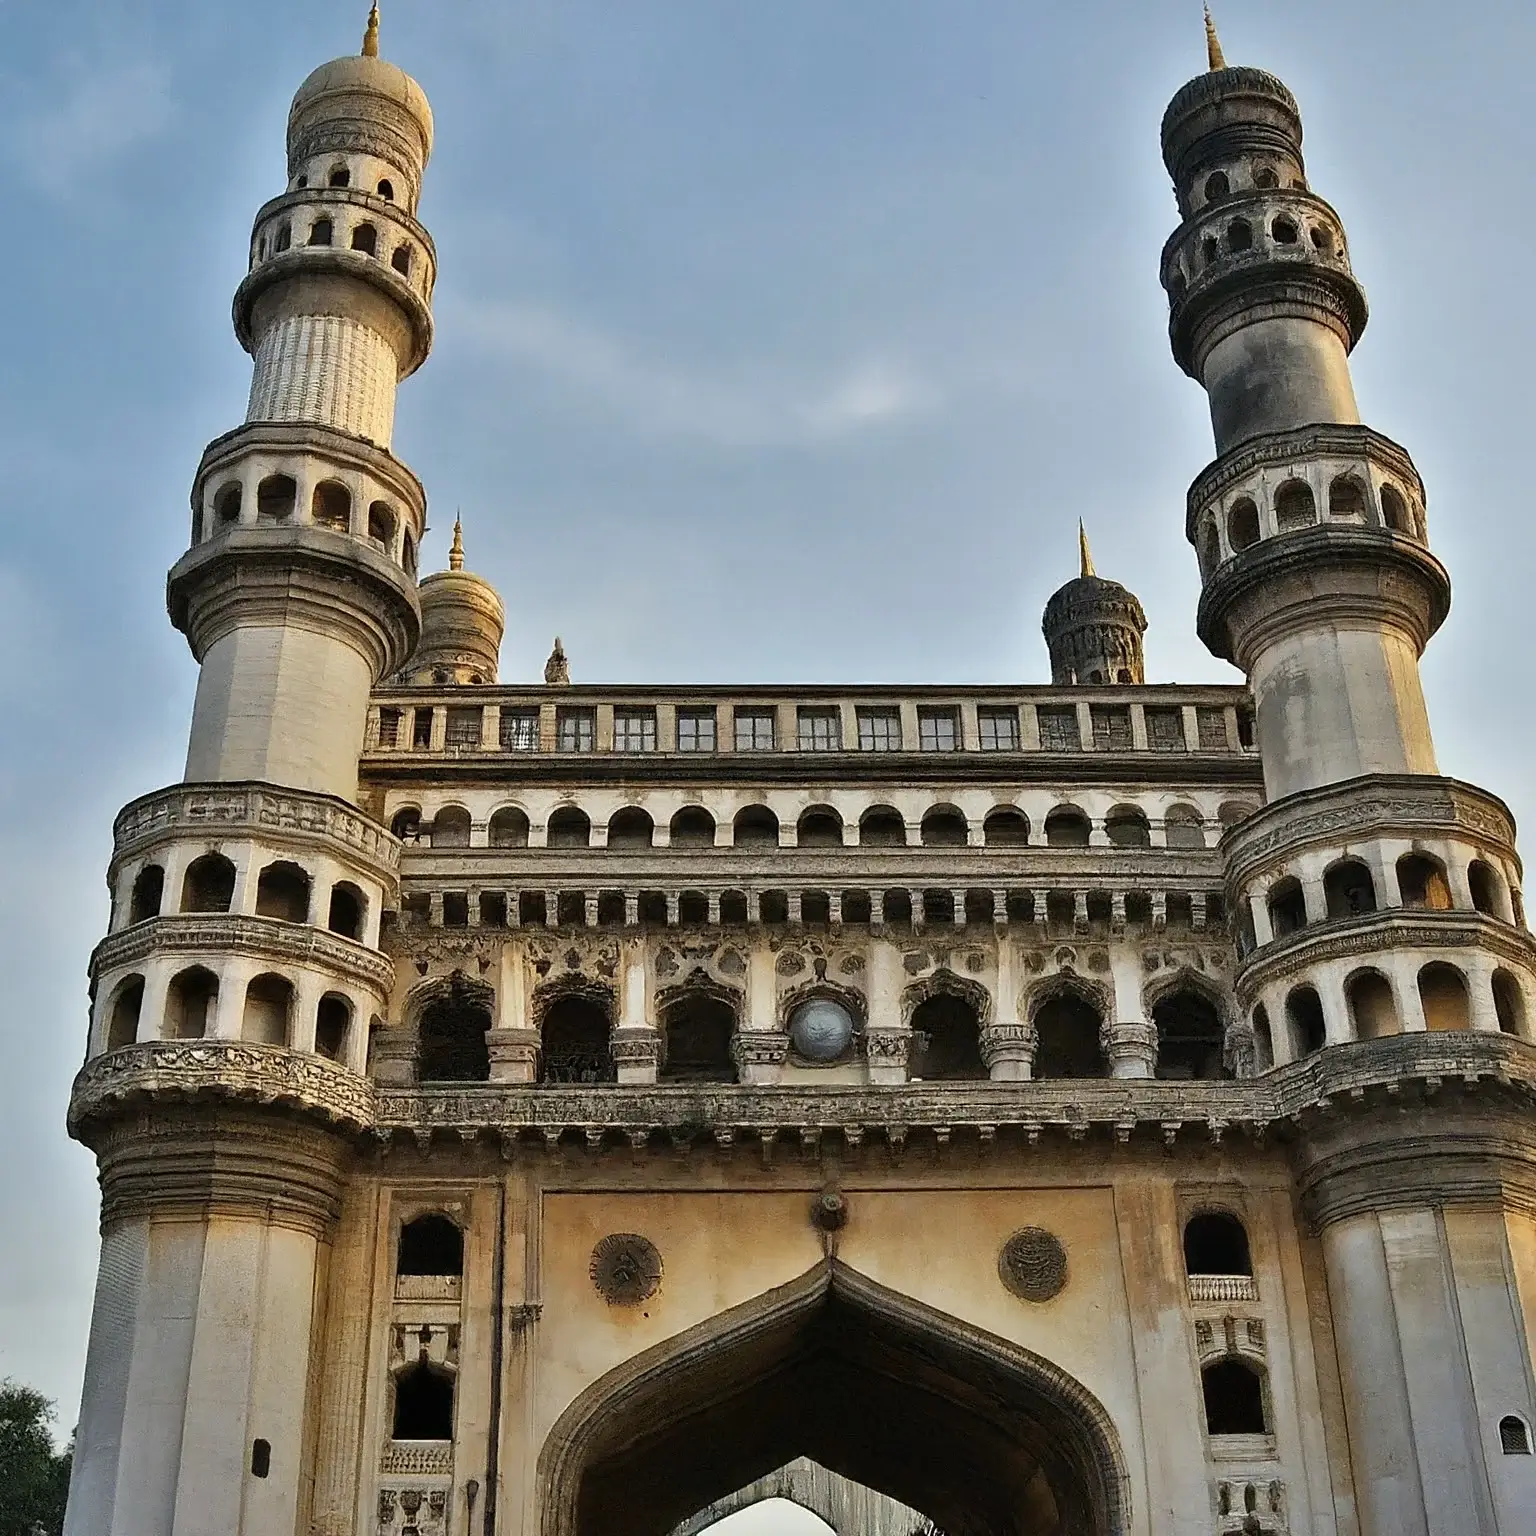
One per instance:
(1093,628)
(462,622)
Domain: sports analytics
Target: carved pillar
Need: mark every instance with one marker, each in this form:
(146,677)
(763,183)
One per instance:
(514,1055)
(636,1041)
(394,1058)
(762,989)
(1130,1042)
(1008,1050)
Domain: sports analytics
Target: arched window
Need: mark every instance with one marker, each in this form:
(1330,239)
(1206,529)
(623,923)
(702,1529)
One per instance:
(453,1028)
(946,1040)
(347,907)
(697,1032)
(1189,1037)
(1126,826)
(1422,882)
(227,502)
(1234,1398)
(1264,179)
(407,824)
(881,826)
(1263,1037)
(1304,1013)
(1243,524)
(1509,1003)
(630,828)
(450,827)
(381,524)
(569,827)
(276,498)
(365,239)
(333,1022)
(1443,992)
(430,1245)
(819,827)
(1183,827)
(148,894)
(1287,907)
(1234,812)
(1210,251)
(1239,235)
(1217,186)
(284,240)
(1067,1040)
(1216,1243)
(321,232)
(1349,889)
(408,554)
(331,506)
(1066,827)
(694,827)
(944,827)
(282,891)
(1346,499)
(268,1010)
(1372,1008)
(423,1403)
(1295,506)
(733,909)
(1006,827)
(1322,238)
(209,884)
(575,1043)
(755,826)
(1284,230)
(1485,888)
(401,260)
(340,176)
(1514,1436)
(508,828)
(1210,548)
(1394,510)
(123,1021)
(387,190)
(189,1004)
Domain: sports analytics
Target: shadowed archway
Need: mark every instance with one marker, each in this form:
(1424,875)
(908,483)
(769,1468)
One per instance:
(981,1436)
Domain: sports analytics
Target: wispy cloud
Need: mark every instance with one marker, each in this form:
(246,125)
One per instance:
(761,406)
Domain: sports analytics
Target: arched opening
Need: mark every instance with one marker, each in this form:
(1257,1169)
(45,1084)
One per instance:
(365,240)
(423,1402)
(450,827)
(755,826)
(1189,1036)
(1006,827)
(277,497)
(1514,1436)
(408,553)
(340,176)
(1486,890)
(282,891)
(1287,907)
(1234,1398)
(1346,499)
(1284,230)
(692,827)
(1067,1043)
(1264,1039)
(569,827)
(147,895)
(227,504)
(1394,510)
(1265,179)
(630,829)
(381,524)
(1184,827)
(697,1031)
(331,506)
(973,1432)
(946,1044)
(209,884)
(189,1003)
(819,827)
(406,824)
(1216,1243)
(321,232)
(1239,235)
(778,1516)
(1372,1008)
(693,908)
(453,1026)
(127,1008)
(1210,251)
(944,827)
(508,828)
(1322,238)
(1066,827)
(347,908)
(882,826)
(1443,992)
(1233,813)
(1295,506)
(1210,548)
(268,1010)
(401,260)
(1422,883)
(733,909)
(1509,1004)
(1304,1013)
(430,1245)
(333,1022)
(575,1044)
(1127,826)
(1349,889)
(283,240)
(1243,524)
(1217,186)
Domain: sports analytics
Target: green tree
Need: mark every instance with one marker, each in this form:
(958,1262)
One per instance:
(34,1478)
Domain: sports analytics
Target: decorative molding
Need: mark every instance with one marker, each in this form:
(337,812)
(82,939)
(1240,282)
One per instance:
(626,1269)
(1033,1265)
(416,1458)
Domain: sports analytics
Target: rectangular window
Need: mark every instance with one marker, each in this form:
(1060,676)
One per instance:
(695,730)
(575,730)
(1058,730)
(879,730)
(421,730)
(634,730)
(1212,724)
(464,727)
(938,730)
(821,730)
(999,729)
(754,730)
(520,730)
(389,728)
(1245,730)
(1165,730)
(1111,729)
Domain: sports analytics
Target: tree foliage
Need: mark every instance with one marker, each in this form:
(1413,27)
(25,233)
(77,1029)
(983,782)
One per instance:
(34,1478)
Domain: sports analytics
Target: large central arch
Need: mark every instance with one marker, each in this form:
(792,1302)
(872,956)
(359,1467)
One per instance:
(985,1438)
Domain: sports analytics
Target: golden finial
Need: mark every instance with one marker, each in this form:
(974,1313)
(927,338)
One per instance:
(1213,53)
(1084,556)
(557,670)
(456,554)
(371,36)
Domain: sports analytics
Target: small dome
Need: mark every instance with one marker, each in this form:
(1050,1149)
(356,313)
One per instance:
(361,91)
(1093,629)
(462,622)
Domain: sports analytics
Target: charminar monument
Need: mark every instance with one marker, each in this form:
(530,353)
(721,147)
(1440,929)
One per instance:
(1093,1108)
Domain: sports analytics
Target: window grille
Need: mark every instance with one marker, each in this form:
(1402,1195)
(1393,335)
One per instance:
(938,730)
(520,730)
(879,730)
(696,730)
(1212,724)
(575,730)
(1058,730)
(463,728)
(389,727)
(821,730)
(1165,730)
(754,730)
(1111,730)
(999,730)
(1514,1437)
(634,730)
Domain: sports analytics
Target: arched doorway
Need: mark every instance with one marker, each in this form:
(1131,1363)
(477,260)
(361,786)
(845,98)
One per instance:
(982,1437)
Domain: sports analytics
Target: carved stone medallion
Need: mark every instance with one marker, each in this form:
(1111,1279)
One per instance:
(626,1269)
(1033,1264)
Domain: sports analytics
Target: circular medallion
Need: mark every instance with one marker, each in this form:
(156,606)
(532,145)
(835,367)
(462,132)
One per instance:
(626,1269)
(1033,1264)
(821,1029)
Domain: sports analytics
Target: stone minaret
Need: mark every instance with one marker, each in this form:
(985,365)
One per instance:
(1093,628)
(234,996)
(1377,902)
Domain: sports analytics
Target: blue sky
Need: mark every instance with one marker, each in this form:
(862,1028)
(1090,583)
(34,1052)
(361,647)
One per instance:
(775,341)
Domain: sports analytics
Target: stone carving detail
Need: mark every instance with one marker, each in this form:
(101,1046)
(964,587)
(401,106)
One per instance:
(1033,1264)
(1251,1507)
(416,1459)
(626,1269)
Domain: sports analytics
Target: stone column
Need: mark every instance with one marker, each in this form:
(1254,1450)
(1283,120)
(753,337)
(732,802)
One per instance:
(1130,1041)
(1008,1052)
(636,1040)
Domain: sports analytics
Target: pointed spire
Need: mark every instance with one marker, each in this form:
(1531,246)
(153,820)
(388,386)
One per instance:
(371,36)
(1214,56)
(456,554)
(1084,555)
(557,670)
